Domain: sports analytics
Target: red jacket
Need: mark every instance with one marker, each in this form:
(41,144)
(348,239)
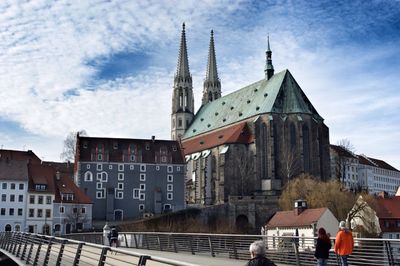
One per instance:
(344,242)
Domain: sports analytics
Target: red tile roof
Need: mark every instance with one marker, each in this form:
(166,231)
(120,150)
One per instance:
(66,185)
(41,174)
(376,163)
(237,133)
(13,170)
(290,219)
(20,156)
(343,152)
(388,208)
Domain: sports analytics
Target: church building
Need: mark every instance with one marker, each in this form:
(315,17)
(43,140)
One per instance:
(247,143)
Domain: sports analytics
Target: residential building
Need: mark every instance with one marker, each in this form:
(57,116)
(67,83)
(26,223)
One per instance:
(13,191)
(72,210)
(41,193)
(302,222)
(344,167)
(248,142)
(130,178)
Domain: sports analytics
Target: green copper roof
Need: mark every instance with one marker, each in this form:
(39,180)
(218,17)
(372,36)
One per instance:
(279,94)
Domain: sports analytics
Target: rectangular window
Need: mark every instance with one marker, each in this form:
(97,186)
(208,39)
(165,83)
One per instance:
(136,193)
(61,209)
(142,168)
(99,167)
(141,207)
(170,187)
(120,176)
(83,210)
(31,212)
(48,213)
(99,185)
(99,157)
(3,197)
(40,200)
(39,213)
(104,177)
(110,167)
(11,211)
(21,186)
(20,198)
(98,176)
(142,177)
(48,199)
(170,169)
(119,195)
(142,196)
(19,211)
(12,186)
(4,185)
(120,167)
(170,178)
(121,186)
(142,187)
(3,211)
(178,168)
(75,210)
(12,198)
(169,196)
(131,167)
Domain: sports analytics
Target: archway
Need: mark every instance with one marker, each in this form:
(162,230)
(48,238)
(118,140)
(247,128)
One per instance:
(242,224)
(46,229)
(118,215)
(17,228)
(8,228)
(68,228)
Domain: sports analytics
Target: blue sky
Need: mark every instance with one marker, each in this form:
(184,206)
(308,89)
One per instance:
(107,66)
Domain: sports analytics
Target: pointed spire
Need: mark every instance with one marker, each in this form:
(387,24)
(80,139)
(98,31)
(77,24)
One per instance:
(182,69)
(211,85)
(269,68)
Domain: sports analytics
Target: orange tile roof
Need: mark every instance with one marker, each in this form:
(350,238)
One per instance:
(20,156)
(237,133)
(388,208)
(290,219)
(66,185)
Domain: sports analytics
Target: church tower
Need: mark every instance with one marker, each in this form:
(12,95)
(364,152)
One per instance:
(269,68)
(182,98)
(212,84)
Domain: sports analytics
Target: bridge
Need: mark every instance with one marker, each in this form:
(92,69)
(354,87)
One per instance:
(144,248)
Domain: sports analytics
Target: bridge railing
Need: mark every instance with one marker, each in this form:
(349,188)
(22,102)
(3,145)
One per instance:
(34,249)
(290,250)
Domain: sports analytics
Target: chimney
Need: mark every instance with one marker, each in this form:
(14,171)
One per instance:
(153,138)
(58,175)
(299,206)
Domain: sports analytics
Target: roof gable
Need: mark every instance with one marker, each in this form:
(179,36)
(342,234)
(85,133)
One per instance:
(280,94)
(290,219)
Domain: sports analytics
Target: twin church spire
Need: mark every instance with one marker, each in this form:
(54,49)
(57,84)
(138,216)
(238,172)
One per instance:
(183,100)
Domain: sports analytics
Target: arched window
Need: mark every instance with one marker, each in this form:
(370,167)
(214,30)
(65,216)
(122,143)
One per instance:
(210,98)
(264,151)
(17,228)
(306,148)
(88,176)
(292,137)
(180,98)
(186,98)
(276,150)
(7,228)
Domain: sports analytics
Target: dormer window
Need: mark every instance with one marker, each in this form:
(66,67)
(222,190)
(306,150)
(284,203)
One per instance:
(40,187)
(67,197)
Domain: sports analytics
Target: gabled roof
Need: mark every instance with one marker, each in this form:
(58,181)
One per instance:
(388,208)
(290,219)
(279,94)
(13,170)
(19,155)
(343,152)
(375,162)
(237,133)
(66,185)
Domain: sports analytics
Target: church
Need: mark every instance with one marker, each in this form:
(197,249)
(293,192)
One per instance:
(250,142)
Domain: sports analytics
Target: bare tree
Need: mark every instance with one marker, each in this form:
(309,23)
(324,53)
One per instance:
(346,144)
(75,216)
(290,165)
(243,161)
(69,149)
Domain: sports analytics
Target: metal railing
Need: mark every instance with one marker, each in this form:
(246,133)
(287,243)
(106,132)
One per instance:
(36,249)
(287,250)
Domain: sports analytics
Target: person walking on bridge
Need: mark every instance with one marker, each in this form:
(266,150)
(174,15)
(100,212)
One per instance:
(344,243)
(257,253)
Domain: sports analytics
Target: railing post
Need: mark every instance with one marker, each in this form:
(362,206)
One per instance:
(159,242)
(296,252)
(46,258)
(126,241)
(147,241)
(389,252)
(143,260)
(61,252)
(23,236)
(211,246)
(78,254)
(9,240)
(174,243)
(190,238)
(234,248)
(136,244)
(103,256)
(35,261)
(25,246)
(28,258)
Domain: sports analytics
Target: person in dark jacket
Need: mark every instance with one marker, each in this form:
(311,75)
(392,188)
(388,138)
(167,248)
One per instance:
(257,253)
(322,247)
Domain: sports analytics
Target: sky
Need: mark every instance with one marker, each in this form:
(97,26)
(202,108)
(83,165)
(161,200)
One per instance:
(107,67)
